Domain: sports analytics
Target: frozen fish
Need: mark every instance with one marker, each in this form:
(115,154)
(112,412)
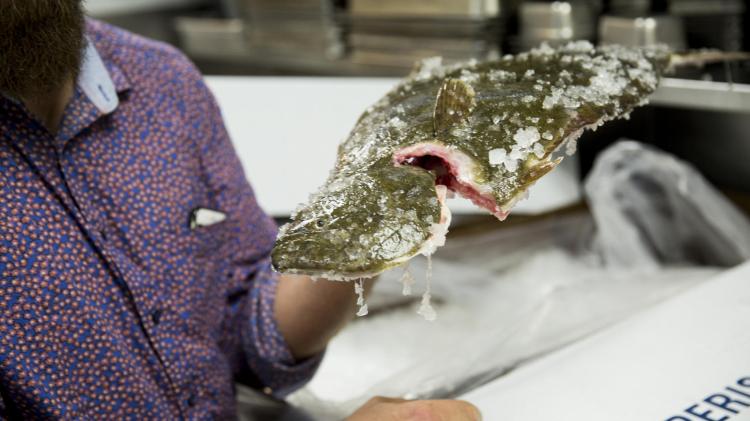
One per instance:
(483,130)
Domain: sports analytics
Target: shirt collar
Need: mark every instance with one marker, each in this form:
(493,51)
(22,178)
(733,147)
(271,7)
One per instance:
(96,95)
(100,81)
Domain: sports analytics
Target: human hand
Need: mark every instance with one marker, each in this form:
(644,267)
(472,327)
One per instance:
(388,409)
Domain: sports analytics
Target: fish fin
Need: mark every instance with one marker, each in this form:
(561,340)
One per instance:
(542,169)
(455,101)
(701,58)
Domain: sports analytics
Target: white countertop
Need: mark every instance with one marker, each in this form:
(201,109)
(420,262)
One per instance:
(653,366)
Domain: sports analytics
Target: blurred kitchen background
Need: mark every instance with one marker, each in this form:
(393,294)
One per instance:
(384,37)
(604,236)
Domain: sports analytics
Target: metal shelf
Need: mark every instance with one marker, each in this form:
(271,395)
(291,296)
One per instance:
(703,95)
(672,92)
(98,8)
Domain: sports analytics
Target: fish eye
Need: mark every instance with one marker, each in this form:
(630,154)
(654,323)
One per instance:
(319,223)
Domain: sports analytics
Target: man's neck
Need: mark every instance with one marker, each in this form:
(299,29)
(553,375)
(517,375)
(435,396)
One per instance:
(49,107)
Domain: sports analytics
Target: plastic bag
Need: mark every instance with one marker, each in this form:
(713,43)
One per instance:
(653,209)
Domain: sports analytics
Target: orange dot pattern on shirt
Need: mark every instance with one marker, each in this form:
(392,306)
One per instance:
(111,306)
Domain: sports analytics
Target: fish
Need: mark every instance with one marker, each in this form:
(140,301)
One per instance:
(486,131)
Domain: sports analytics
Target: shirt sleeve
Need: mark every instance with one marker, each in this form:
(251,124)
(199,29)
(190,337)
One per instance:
(254,334)
(277,368)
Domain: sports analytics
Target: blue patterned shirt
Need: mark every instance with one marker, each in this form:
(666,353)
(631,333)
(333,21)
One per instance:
(115,301)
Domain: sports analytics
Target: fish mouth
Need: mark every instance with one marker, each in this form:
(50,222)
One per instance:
(454,170)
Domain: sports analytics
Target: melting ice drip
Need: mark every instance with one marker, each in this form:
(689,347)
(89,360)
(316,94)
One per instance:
(425,308)
(359,289)
(406,281)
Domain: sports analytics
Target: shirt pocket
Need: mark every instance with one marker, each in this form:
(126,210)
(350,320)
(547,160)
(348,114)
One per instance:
(219,254)
(212,255)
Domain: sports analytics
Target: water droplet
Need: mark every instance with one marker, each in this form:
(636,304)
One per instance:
(406,281)
(359,289)
(425,308)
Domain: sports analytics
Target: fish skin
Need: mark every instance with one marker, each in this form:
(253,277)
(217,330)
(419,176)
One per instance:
(375,212)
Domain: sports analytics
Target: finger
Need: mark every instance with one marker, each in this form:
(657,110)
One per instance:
(441,410)
(472,411)
(383,399)
(458,411)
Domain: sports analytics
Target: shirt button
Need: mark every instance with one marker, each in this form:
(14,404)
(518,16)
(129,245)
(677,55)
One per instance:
(156,316)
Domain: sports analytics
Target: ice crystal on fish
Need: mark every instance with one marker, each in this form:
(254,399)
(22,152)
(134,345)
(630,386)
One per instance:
(469,76)
(500,76)
(551,100)
(429,67)
(497,156)
(570,147)
(539,150)
(525,137)
(396,123)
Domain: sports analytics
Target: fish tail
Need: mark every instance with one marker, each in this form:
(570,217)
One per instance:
(699,58)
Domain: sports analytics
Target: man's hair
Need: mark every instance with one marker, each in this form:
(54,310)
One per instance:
(41,44)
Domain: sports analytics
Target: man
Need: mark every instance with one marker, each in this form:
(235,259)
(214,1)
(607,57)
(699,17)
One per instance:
(134,260)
